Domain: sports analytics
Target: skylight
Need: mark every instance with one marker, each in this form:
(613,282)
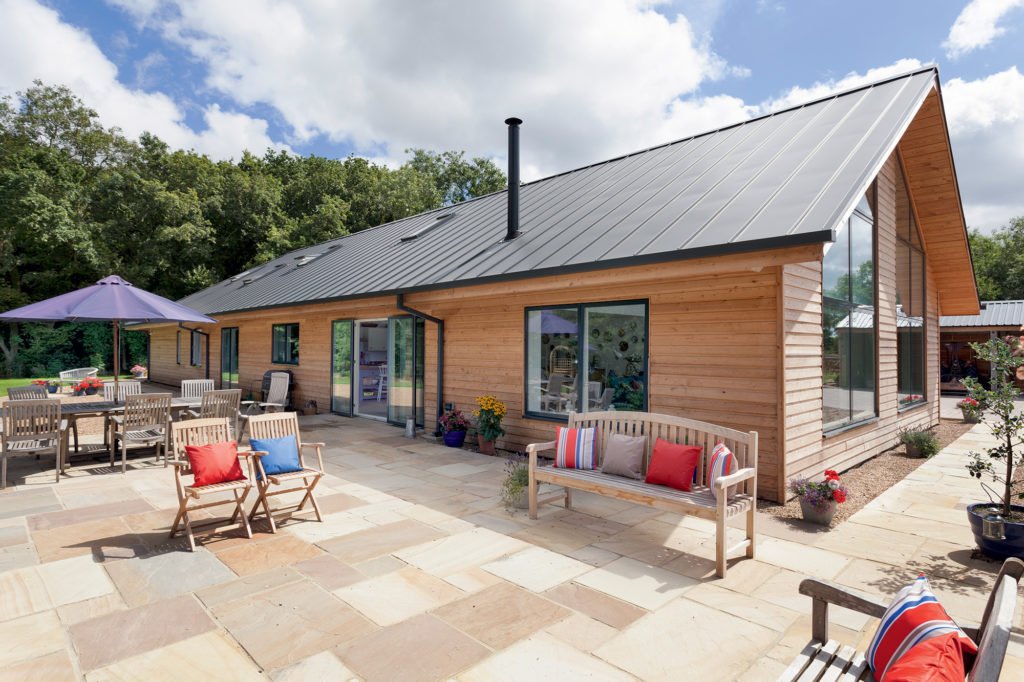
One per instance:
(439,220)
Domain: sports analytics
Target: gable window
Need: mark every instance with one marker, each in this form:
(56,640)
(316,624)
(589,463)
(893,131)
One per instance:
(586,357)
(910,302)
(195,349)
(285,344)
(848,321)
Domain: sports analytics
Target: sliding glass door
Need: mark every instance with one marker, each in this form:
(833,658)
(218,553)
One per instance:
(341,367)
(405,367)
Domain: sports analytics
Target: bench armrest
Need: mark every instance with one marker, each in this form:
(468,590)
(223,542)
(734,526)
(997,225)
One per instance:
(723,482)
(541,447)
(824,593)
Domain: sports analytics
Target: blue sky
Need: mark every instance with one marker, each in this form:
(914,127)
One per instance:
(591,78)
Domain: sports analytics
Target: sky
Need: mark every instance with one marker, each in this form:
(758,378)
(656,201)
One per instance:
(592,79)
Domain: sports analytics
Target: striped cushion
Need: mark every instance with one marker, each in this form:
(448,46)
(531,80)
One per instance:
(720,464)
(575,448)
(915,616)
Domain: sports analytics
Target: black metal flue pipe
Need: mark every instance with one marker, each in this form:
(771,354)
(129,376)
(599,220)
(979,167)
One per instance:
(513,177)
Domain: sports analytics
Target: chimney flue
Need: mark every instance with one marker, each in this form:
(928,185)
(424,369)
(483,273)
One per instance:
(513,177)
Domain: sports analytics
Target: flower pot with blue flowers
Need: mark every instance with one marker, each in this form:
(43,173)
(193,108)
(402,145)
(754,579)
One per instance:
(819,499)
(454,426)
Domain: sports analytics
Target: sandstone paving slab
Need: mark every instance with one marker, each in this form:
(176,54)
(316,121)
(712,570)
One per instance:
(22,593)
(138,630)
(644,542)
(158,576)
(29,637)
(783,589)
(763,669)
(581,632)
(249,585)
(18,556)
(256,557)
(867,542)
(74,579)
(334,525)
(951,514)
(558,536)
(796,557)
(328,571)
(419,649)
(88,609)
(638,583)
(380,566)
(283,625)
(459,552)
(472,580)
(377,541)
(958,532)
(82,514)
(28,502)
(536,568)
(950,560)
(459,469)
(543,657)
(876,579)
(743,575)
(502,614)
(322,666)
(597,605)
(335,502)
(498,523)
(396,596)
(691,641)
(108,538)
(15,534)
(209,656)
(594,556)
(796,638)
(55,667)
(744,606)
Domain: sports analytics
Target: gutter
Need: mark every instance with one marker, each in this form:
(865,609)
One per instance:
(207,344)
(400,304)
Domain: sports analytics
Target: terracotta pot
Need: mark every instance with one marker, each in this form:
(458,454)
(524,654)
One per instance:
(816,515)
(486,446)
(969,418)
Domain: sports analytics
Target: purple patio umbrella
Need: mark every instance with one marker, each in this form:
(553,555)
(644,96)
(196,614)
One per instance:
(111,299)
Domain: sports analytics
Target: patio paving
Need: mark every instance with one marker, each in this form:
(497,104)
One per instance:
(418,573)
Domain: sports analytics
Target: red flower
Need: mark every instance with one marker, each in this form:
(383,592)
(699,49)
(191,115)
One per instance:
(831,475)
(839,496)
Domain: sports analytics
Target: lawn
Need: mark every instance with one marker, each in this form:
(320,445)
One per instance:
(23,381)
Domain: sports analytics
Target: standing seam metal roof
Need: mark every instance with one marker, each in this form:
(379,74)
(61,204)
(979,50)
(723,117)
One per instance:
(783,179)
(993,314)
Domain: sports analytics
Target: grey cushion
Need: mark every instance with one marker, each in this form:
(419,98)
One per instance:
(624,456)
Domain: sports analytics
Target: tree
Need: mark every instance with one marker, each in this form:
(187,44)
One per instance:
(999,261)
(455,178)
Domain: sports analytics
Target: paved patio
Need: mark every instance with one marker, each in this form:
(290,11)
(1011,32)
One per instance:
(418,572)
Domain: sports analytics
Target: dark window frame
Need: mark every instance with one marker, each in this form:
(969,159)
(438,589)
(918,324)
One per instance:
(850,306)
(195,350)
(177,347)
(580,307)
(288,336)
(912,247)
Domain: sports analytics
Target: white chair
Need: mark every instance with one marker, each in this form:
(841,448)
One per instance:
(603,402)
(124,389)
(277,399)
(193,389)
(382,381)
(145,420)
(73,376)
(33,427)
(553,393)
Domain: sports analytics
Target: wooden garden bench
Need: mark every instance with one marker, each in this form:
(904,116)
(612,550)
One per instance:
(731,501)
(825,659)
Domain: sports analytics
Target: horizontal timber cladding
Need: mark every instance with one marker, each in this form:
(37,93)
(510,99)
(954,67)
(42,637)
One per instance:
(713,342)
(808,453)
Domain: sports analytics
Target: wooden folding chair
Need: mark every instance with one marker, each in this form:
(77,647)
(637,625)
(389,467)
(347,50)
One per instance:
(279,425)
(206,432)
(145,420)
(223,403)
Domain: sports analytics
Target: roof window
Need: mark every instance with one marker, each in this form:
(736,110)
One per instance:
(439,220)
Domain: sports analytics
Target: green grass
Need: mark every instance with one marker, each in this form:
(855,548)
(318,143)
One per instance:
(23,381)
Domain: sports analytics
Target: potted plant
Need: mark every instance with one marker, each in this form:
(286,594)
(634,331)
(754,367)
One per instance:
(454,425)
(970,409)
(139,372)
(489,414)
(819,499)
(919,443)
(515,487)
(998,525)
(88,386)
(50,386)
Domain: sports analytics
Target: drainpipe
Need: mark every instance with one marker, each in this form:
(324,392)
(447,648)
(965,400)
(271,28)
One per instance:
(197,331)
(400,304)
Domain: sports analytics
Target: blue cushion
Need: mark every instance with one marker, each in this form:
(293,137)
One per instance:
(282,454)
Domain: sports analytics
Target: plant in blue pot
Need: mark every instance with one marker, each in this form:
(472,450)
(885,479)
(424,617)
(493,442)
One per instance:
(998,525)
(454,425)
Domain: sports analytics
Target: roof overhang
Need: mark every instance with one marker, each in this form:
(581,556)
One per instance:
(927,159)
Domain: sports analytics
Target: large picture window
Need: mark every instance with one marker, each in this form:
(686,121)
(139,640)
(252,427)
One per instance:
(910,302)
(848,321)
(285,344)
(586,357)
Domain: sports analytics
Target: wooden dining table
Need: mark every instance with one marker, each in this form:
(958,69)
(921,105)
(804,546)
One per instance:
(86,410)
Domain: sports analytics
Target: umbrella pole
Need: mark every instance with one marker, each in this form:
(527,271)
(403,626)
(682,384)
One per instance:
(117,360)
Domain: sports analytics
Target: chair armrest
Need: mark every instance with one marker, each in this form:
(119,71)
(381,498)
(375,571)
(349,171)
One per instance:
(63,424)
(723,482)
(177,463)
(252,453)
(271,405)
(541,447)
(192,413)
(824,593)
(312,445)
(119,420)
(248,402)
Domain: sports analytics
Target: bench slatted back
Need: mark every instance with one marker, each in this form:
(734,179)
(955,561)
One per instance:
(994,634)
(674,430)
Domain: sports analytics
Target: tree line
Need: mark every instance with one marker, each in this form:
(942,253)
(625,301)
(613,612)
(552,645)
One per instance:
(79,201)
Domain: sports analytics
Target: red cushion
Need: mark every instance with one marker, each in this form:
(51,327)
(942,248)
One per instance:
(939,659)
(214,463)
(673,465)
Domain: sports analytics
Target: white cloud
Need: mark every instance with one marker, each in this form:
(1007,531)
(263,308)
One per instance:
(977,25)
(801,94)
(36,44)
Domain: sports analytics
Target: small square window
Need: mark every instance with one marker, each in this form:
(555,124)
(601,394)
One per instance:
(285,344)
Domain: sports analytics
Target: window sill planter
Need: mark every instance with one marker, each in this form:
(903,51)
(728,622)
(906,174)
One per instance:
(817,515)
(454,439)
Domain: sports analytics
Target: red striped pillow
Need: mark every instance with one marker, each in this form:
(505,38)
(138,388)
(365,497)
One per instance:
(575,448)
(720,464)
(915,616)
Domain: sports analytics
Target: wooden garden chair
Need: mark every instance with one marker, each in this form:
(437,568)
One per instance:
(124,389)
(217,404)
(277,398)
(33,427)
(192,498)
(144,420)
(193,389)
(279,425)
(27,393)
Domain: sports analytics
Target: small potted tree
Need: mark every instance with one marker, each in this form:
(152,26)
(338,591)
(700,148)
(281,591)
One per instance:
(998,525)
(454,425)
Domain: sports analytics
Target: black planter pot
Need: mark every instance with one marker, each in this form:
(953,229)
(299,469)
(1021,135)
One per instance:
(1013,545)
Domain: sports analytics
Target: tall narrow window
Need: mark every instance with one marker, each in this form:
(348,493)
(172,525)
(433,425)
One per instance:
(910,302)
(848,321)
(177,347)
(196,349)
(285,344)
(588,357)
